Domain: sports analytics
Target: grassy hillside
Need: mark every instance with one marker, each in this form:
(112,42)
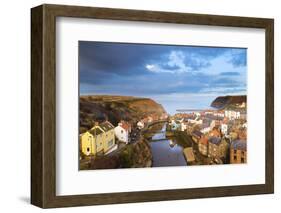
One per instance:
(115,108)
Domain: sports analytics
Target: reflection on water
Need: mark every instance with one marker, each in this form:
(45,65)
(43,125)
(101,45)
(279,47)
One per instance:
(161,135)
(166,152)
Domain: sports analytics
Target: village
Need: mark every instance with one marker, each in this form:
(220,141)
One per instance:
(215,136)
(105,138)
(219,136)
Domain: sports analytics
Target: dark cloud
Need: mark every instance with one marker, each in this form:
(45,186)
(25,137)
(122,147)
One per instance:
(96,59)
(115,58)
(120,68)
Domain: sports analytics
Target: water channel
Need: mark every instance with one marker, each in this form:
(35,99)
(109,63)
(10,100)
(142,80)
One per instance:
(165,151)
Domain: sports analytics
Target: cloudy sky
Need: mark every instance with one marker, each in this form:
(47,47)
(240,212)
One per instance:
(178,77)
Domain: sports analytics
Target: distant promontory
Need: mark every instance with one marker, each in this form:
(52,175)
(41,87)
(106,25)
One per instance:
(222,102)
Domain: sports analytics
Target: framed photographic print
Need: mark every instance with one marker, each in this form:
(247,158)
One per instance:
(136,106)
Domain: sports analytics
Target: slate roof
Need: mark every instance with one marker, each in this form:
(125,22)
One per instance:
(125,125)
(207,121)
(106,126)
(204,140)
(95,131)
(239,145)
(197,133)
(215,140)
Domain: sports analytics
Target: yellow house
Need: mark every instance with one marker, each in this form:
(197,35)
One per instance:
(99,139)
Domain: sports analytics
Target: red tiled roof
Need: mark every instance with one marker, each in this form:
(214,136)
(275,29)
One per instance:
(203,140)
(215,132)
(225,120)
(125,125)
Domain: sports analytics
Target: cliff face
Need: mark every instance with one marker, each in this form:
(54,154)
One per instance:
(222,102)
(115,108)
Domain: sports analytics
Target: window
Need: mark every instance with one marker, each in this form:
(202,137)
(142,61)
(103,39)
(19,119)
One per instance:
(110,143)
(235,157)
(235,151)
(88,149)
(99,143)
(242,160)
(122,131)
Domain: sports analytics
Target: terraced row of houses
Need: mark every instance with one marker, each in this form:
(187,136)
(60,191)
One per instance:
(101,138)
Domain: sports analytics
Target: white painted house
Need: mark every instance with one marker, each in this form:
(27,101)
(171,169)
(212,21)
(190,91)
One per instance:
(195,121)
(205,130)
(140,124)
(245,125)
(224,128)
(183,125)
(230,114)
(122,131)
(219,114)
(242,105)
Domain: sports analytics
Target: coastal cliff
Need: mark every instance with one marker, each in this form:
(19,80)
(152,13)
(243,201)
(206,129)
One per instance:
(223,102)
(98,108)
